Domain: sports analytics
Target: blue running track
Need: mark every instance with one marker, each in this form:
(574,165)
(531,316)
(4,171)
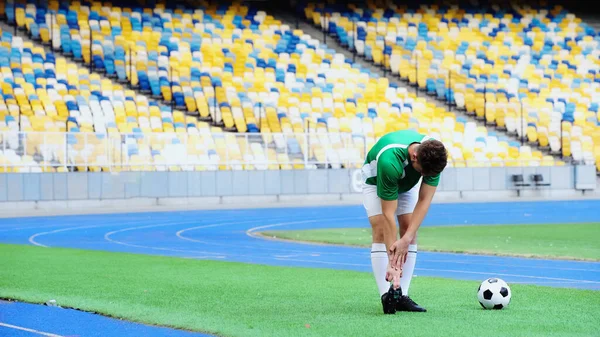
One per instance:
(229,235)
(23,319)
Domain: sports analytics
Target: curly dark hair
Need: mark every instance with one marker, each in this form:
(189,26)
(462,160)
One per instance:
(432,156)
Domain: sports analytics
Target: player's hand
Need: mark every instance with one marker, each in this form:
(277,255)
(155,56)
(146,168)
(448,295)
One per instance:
(393,275)
(398,252)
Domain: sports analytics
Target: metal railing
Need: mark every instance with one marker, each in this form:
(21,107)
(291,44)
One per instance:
(190,151)
(178,151)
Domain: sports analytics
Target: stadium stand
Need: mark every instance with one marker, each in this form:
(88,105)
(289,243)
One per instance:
(310,105)
(492,62)
(44,93)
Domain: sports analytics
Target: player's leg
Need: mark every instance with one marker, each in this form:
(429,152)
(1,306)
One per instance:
(406,205)
(406,303)
(379,257)
(411,257)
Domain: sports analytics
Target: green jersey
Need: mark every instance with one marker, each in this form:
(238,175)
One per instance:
(388,165)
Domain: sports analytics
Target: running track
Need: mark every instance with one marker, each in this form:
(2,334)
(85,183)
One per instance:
(229,235)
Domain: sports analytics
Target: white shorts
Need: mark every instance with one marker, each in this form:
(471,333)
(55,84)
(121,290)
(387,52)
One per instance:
(406,201)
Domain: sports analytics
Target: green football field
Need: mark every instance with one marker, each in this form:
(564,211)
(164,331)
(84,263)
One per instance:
(234,299)
(565,241)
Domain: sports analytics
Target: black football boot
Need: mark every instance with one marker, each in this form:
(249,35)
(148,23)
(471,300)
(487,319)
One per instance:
(405,303)
(390,300)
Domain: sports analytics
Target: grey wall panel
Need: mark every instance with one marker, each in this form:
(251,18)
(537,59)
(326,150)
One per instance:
(31,187)
(146,184)
(104,185)
(46,186)
(4,186)
(585,177)
(287,182)
(94,181)
(153,184)
(224,183)
(60,186)
(77,186)
(240,183)
(300,181)
(177,184)
(339,181)
(273,182)
(448,180)
(441,186)
(562,177)
(112,186)
(15,187)
(316,181)
(545,171)
(464,179)
(208,183)
(481,179)
(256,182)
(355,181)
(345,182)
(194,181)
(131,180)
(498,178)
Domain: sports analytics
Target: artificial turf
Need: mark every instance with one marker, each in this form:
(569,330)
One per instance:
(566,241)
(235,299)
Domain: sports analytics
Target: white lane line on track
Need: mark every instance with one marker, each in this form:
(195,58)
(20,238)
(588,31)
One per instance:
(180,235)
(42,333)
(286,257)
(510,275)
(35,227)
(108,238)
(546,282)
(295,255)
(203,257)
(449,271)
(116,223)
(323,262)
(62,219)
(55,224)
(32,238)
(250,232)
(480,263)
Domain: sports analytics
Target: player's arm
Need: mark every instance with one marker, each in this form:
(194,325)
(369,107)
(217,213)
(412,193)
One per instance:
(421,208)
(400,248)
(390,232)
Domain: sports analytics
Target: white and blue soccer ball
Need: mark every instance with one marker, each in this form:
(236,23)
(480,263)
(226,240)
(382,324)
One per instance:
(494,293)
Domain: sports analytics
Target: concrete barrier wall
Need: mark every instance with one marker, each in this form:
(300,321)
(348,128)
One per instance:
(16,187)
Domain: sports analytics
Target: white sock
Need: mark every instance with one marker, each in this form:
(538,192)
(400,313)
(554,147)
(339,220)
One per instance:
(379,262)
(408,268)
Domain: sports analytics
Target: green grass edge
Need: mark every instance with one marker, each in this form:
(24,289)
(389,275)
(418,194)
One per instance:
(272,235)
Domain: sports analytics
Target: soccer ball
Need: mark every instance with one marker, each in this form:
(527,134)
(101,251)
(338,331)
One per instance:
(494,293)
